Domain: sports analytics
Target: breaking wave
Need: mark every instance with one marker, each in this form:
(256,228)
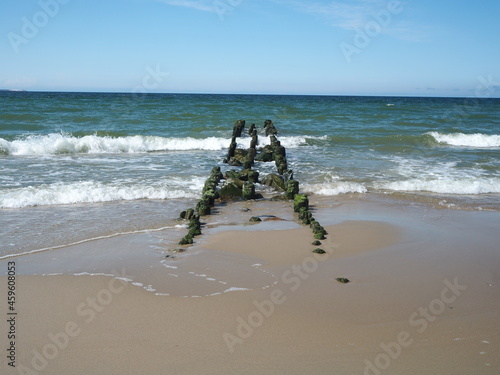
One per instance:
(477,140)
(335,188)
(464,186)
(55,143)
(51,144)
(96,192)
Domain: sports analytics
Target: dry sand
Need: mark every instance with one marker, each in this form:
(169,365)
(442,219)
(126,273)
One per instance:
(423,299)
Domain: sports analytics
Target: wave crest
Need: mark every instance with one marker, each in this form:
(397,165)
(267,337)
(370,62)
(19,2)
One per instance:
(96,192)
(445,186)
(477,140)
(336,188)
(53,144)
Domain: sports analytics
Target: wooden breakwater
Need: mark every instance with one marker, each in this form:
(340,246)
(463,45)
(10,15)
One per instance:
(239,184)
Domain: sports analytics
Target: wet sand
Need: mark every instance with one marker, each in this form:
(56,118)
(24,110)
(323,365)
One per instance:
(423,296)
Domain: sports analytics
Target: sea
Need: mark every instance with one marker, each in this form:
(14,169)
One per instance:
(80,166)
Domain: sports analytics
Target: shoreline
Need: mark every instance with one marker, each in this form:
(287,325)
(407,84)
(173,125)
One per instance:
(429,202)
(399,259)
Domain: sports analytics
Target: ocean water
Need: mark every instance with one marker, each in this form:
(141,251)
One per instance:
(76,166)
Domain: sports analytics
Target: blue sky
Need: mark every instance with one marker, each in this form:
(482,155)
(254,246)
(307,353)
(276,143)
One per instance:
(356,47)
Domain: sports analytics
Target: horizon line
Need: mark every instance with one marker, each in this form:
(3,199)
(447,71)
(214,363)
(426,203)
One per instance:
(250,94)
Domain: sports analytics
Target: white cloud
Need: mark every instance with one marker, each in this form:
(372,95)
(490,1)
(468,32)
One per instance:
(202,5)
(345,15)
(409,31)
(355,14)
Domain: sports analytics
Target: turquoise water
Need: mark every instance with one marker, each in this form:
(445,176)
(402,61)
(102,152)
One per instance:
(101,160)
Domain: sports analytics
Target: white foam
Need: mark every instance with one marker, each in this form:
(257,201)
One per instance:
(85,241)
(426,169)
(150,288)
(286,141)
(296,141)
(171,267)
(234,289)
(446,185)
(123,279)
(477,140)
(89,192)
(335,188)
(60,143)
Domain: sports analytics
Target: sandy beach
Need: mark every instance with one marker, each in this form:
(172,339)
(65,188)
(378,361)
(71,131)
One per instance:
(228,187)
(253,299)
